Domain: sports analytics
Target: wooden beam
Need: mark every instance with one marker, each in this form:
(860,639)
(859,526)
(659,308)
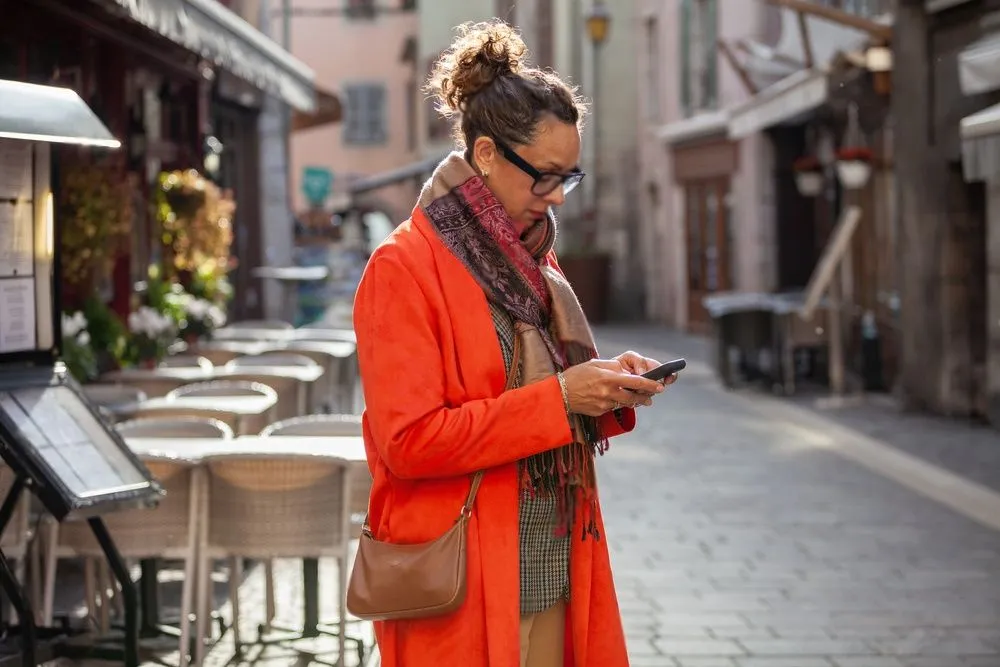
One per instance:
(873,28)
(807,48)
(737,66)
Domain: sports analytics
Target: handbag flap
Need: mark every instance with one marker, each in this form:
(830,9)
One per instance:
(419,579)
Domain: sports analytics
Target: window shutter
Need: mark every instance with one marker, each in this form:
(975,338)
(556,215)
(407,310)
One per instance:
(685,59)
(711,32)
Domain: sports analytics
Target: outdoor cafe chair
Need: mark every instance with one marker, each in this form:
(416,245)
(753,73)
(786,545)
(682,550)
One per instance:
(174,427)
(187,361)
(260,324)
(269,506)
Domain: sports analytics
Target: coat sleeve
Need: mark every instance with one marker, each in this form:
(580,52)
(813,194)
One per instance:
(416,433)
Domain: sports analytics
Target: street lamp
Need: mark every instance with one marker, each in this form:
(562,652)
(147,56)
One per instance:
(598,22)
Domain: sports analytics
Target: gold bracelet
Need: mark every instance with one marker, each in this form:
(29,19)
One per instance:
(564,390)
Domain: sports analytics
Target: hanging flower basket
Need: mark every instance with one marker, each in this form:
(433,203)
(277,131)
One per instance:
(808,176)
(854,167)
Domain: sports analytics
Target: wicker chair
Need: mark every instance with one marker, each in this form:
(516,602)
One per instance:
(260,324)
(328,425)
(174,427)
(274,506)
(271,359)
(110,395)
(187,361)
(168,531)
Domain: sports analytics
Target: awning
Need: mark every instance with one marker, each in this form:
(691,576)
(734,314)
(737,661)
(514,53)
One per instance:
(218,35)
(980,134)
(329,109)
(767,63)
(415,171)
(695,127)
(979,66)
(793,96)
(46,113)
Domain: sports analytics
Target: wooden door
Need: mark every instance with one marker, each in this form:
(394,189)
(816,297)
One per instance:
(708,236)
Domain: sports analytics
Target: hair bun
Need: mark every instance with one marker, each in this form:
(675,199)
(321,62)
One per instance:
(482,53)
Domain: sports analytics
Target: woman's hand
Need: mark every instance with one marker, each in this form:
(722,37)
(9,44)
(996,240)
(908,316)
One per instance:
(635,363)
(601,385)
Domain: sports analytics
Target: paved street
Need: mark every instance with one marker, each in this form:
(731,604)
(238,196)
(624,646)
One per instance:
(749,531)
(743,536)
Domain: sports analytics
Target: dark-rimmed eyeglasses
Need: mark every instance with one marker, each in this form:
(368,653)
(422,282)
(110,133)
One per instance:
(545,181)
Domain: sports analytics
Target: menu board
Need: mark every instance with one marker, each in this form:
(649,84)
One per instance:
(17,248)
(17,314)
(17,252)
(63,445)
(15,169)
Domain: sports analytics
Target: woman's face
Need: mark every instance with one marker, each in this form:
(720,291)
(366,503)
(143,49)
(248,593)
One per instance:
(555,150)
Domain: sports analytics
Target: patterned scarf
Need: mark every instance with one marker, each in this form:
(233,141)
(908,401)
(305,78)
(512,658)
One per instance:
(514,274)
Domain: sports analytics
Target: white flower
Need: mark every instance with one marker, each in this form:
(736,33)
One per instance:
(73,324)
(150,323)
(216,316)
(83,339)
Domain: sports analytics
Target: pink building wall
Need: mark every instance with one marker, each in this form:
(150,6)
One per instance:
(662,201)
(345,51)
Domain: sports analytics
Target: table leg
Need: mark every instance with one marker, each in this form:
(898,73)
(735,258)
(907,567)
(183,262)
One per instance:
(310,596)
(150,599)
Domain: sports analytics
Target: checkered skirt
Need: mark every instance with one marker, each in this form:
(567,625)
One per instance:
(544,557)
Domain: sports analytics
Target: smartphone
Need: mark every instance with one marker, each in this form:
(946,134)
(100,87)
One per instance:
(664,371)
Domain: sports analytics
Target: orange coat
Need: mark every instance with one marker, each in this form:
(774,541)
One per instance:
(433,376)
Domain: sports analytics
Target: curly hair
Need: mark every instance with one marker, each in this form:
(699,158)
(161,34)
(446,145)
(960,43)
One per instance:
(483,82)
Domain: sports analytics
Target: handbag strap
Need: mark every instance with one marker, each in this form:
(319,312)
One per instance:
(477,478)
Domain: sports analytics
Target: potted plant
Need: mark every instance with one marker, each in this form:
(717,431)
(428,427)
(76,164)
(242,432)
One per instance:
(107,334)
(151,334)
(196,218)
(184,191)
(76,351)
(201,318)
(95,210)
(808,175)
(854,166)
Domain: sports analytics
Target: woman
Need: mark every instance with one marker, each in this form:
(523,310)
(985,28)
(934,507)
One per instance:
(436,314)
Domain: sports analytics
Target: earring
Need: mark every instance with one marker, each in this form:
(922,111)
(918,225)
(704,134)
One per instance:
(486,174)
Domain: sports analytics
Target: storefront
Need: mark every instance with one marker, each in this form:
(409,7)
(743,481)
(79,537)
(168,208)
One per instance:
(181,82)
(979,72)
(704,164)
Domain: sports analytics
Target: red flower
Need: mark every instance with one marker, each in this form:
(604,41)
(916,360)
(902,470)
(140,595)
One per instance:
(854,153)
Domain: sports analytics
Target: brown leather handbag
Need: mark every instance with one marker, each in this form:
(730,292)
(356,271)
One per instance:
(399,581)
(395,581)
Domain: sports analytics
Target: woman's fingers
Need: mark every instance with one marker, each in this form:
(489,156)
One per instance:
(637,383)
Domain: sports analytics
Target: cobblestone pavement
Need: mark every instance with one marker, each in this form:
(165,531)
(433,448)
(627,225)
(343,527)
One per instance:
(744,537)
(738,541)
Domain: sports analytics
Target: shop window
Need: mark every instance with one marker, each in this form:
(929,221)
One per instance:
(652,69)
(699,59)
(365,117)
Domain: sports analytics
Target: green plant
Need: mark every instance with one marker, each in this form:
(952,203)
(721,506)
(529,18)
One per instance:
(196,219)
(106,331)
(95,218)
(77,352)
(150,334)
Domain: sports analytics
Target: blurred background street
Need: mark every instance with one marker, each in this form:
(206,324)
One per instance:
(800,197)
